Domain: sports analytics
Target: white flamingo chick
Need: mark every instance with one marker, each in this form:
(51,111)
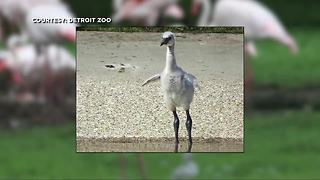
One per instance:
(176,84)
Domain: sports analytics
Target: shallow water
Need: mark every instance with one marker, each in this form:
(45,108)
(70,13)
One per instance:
(98,145)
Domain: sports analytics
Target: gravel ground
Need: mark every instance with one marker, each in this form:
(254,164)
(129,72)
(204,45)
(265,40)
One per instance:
(112,106)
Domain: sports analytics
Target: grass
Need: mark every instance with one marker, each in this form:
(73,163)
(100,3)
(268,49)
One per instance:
(275,66)
(50,152)
(279,145)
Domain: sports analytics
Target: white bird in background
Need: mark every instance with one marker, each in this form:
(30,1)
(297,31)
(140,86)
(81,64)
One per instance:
(259,23)
(47,33)
(177,86)
(205,13)
(22,59)
(187,170)
(146,12)
(15,41)
(117,5)
(15,11)
(14,77)
(42,65)
(22,56)
(258,20)
(61,66)
(60,59)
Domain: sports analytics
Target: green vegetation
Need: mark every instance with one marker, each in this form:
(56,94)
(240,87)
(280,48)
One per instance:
(50,152)
(71,47)
(281,145)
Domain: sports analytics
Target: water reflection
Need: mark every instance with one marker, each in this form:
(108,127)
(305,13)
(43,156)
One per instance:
(103,145)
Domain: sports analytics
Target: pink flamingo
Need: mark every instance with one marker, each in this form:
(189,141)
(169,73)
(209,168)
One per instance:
(146,12)
(61,65)
(45,34)
(259,23)
(258,20)
(15,11)
(48,33)
(5,68)
(21,61)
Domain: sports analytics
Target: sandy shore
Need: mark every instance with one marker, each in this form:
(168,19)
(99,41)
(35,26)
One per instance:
(112,105)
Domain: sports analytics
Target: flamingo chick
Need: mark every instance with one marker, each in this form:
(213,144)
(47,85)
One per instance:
(177,86)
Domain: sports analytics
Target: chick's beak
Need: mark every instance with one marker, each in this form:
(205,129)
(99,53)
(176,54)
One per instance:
(164,41)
